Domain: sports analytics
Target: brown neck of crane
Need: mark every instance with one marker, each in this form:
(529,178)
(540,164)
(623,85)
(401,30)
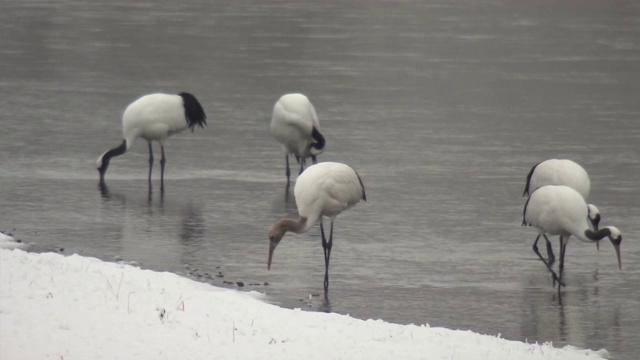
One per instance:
(295,225)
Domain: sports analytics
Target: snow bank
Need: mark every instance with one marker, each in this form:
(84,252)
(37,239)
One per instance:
(8,242)
(56,307)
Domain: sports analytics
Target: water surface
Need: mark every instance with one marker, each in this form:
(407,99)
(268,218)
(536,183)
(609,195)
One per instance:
(442,107)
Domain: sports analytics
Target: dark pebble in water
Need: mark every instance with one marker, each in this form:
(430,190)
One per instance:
(219,275)
(316,294)
(266,283)
(217,267)
(61,249)
(227,282)
(240,283)
(19,240)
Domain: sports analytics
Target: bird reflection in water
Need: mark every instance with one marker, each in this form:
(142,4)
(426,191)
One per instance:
(108,196)
(289,201)
(325,305)
(104,190)
(192,227)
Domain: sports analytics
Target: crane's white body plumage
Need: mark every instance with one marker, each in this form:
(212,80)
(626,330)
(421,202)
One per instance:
(153,117)
(558,210)
(326,189)
(292,123)
(559,172)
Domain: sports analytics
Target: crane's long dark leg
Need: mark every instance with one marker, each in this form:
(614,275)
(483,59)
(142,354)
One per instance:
(314,159)
(288,171)
(150,162)
(162,162)
(301,166)
(550,257)
(326,246)
(563,251)
(553,274)
(324,242)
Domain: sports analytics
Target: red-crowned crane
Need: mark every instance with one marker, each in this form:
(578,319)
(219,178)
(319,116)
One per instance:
(323,189)
(295,125)
(561,172)
(155,117)
(561,210)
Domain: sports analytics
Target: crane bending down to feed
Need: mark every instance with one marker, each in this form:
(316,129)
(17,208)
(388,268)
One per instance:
(561,172)
(324,189)
(155,117)
(561,210)
(295,125)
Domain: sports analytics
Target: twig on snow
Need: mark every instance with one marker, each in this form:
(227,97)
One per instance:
(128,299)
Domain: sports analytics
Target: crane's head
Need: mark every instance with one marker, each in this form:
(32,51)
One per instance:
(616,239)
(104,159)
(594,216)
(317,146)
(594,219)
(279,228)
(276,232)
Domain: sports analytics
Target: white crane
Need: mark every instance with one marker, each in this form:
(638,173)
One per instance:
(558,172)
(324,189)
(561,172)
(295,125)
(155,117)
(561,210)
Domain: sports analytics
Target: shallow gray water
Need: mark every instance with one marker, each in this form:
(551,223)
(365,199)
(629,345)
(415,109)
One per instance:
(442,107)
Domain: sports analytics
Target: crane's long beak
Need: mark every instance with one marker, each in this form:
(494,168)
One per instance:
(617,247)
(272,247)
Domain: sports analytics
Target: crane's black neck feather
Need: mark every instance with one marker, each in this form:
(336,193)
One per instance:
(109,154)
(595,222)
(319,139)
(193,111)
(597,235)
(526,187)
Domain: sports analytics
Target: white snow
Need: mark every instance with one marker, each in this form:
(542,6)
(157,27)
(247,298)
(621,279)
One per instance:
(57,307)
(9,242)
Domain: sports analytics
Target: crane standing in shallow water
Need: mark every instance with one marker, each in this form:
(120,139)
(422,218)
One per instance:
(324,189)
(295,125)
(155,117)
(561,210)
(560,172)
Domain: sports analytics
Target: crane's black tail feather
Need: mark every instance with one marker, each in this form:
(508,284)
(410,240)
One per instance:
(526,187)
(193,111)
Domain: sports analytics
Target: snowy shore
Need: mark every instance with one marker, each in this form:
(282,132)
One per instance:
(74,307)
